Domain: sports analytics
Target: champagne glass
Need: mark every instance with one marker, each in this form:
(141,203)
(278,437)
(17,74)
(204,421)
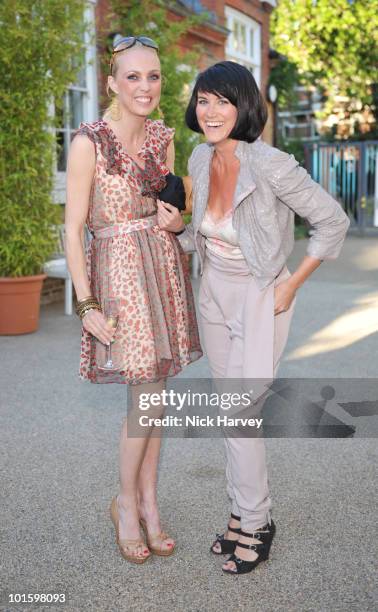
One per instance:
(111,313)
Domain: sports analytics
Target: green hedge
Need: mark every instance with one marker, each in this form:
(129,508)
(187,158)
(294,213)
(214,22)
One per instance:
(39,38)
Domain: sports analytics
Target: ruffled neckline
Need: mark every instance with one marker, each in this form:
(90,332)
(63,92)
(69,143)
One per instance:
(152,176)
(142,151)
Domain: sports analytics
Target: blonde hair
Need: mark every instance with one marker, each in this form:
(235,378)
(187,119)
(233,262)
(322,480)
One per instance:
(113,111)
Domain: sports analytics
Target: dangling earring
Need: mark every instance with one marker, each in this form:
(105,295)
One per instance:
(115,110)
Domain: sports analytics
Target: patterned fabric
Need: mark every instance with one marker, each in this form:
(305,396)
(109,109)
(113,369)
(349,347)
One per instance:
(126,228)
(132,260)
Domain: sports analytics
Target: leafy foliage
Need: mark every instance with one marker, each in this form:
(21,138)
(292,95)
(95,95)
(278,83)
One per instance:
(284,75)
(38,40)
(178,69)
(294,147)
(333,44)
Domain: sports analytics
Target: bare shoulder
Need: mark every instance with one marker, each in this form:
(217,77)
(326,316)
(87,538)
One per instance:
(82,144)
(82,155)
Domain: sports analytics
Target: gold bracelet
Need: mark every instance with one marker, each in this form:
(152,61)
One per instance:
(89,297)
(90,301)
(87,305)
(85,310)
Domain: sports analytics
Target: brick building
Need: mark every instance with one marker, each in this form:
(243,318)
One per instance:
(237,30)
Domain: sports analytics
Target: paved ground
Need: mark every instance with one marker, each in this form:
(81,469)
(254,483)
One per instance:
(59,471)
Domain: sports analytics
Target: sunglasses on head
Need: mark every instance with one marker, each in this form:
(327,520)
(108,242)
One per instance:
(130,41)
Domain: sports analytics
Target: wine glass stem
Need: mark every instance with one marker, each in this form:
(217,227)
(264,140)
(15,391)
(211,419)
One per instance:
(109,351)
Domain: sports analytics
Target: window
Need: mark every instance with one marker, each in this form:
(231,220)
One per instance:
(244,41)
(79,104)
(74,111)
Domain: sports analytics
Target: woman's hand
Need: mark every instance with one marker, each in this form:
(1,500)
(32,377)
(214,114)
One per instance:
(95,323)
(284,293)
(169,217)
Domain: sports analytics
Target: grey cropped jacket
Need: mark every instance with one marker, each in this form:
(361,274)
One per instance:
(271,187)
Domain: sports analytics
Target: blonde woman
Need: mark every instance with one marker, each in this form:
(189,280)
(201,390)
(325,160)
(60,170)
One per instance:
(116,168)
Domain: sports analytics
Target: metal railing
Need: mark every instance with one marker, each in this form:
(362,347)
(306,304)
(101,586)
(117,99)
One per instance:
(349,172)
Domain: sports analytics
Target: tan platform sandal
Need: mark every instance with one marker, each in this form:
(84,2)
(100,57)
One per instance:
(155,541)
(131,550)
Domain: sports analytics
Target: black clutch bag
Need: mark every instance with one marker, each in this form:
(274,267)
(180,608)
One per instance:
(174,191)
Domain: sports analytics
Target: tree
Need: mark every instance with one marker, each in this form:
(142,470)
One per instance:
(149,17)
(38,41)
(332,42)
(284,75)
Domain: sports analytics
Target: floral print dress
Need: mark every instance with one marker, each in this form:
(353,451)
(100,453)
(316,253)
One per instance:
(131,260)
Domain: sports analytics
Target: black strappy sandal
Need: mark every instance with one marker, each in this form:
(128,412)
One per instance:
(265,535)
(227,546)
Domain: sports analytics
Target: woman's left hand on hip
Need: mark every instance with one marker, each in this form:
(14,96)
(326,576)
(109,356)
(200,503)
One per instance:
(284,294)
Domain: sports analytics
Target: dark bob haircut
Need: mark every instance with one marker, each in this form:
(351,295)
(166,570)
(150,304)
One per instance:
(236,83)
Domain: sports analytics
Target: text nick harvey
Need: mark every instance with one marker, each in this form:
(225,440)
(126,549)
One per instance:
(197,421)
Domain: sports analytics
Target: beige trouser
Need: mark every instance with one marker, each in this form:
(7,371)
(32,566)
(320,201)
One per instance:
(243,340)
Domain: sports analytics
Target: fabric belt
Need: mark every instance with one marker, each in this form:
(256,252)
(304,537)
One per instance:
(135,225)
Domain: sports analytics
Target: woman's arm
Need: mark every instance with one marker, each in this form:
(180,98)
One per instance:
(170,161)
(295,188)
(80,172)
(284,293)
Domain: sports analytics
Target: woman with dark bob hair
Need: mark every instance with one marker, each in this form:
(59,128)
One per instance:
(245,194)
